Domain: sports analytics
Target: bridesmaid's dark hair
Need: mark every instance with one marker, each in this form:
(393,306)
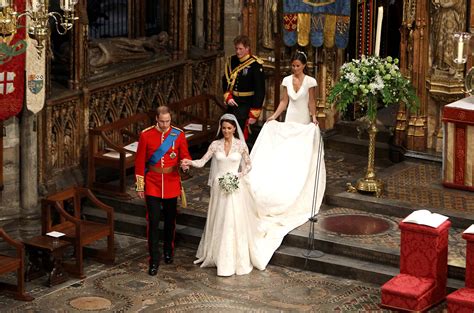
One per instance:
(300,56)
(232,122)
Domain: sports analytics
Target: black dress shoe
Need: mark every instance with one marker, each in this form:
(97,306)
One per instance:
(168,257)
(153,270)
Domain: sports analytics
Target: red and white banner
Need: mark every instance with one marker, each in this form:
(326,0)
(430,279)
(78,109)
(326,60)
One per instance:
(35,72)
(12,75)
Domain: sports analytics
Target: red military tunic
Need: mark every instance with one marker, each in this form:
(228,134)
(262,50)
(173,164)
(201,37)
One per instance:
(162,185)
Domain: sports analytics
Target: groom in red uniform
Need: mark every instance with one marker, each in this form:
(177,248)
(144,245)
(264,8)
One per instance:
(160,150)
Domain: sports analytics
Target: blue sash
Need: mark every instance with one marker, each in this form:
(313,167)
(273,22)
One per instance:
(165,146)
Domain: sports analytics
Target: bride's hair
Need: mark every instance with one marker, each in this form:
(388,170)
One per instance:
(232,122)
(300,56)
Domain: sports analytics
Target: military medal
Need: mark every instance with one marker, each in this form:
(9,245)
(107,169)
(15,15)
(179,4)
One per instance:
(172,155)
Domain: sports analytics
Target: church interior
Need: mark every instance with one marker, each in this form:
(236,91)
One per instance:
(79,78)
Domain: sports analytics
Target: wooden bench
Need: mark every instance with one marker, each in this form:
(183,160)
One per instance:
(113,146)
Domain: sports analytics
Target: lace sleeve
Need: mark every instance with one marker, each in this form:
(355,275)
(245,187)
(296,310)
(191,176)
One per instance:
(210,152)
(246,164)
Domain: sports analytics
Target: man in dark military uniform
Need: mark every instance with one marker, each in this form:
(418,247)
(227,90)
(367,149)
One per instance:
(244,84)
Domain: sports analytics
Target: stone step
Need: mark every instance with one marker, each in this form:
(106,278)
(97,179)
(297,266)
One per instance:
(190,225)
(390,207)
(358,147)
(331,263)
(342,266)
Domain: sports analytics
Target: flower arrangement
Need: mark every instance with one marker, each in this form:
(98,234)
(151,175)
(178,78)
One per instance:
(372,81)
(229,182)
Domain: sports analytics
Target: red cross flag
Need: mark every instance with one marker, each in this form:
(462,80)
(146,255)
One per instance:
(12,75)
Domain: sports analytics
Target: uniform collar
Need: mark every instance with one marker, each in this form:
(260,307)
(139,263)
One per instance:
(244,58)
(165,132)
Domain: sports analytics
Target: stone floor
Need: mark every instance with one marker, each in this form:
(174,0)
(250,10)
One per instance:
(183,286)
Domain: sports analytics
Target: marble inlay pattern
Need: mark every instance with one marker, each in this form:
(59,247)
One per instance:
(185,287)
(420,184)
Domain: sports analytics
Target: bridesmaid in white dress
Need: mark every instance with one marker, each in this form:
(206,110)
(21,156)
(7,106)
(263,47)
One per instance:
(298,94)
(288,177)
(230,225)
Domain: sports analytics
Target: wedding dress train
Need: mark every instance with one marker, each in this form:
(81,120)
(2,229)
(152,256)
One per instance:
(287,181)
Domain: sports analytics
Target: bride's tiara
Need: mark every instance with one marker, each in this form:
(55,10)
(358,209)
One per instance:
(304,54)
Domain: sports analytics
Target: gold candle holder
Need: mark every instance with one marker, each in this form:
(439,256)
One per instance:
(369,183)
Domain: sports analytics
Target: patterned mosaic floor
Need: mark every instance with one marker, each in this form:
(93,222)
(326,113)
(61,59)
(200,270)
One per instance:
(185,287)
(416,183)
(421,184)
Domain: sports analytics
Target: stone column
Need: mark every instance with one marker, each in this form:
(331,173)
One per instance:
(28,166)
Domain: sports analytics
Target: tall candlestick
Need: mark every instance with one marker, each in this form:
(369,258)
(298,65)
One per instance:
(378,31)
(460,51)
(66,6)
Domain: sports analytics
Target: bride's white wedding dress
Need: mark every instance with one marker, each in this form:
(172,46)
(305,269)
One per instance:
(226,242)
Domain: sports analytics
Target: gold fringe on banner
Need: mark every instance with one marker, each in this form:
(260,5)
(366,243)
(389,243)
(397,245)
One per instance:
(329,30)
(304,27)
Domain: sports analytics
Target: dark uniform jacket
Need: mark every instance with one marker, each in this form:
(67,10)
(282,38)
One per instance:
(244,81)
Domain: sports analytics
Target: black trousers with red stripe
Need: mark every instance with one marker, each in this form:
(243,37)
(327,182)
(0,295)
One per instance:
(153,207)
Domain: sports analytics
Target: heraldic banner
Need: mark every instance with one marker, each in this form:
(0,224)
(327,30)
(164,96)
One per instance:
(319,22)
(12,72)
(35,72)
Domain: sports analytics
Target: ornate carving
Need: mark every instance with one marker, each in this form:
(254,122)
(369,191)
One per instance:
(203,72)
(142,95)
(63,136)
(447,18)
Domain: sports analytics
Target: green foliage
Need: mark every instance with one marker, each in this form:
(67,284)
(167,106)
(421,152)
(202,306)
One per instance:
(372,81)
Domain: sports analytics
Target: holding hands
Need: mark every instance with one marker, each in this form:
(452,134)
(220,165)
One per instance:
(185,164)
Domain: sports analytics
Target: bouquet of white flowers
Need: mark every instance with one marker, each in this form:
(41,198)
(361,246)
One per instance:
(229,182)
(372,81)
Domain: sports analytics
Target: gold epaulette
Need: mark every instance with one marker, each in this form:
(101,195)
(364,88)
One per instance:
(259,61)
(148,128)
(177,128)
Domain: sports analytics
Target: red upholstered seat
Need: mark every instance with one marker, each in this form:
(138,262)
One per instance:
(463,296)
(462,300)
(408,286)
(423,268)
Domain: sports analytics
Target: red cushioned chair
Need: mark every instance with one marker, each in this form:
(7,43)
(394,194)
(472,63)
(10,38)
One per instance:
(462,300)
(423,269)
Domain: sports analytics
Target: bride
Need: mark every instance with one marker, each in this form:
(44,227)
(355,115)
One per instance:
(226,242)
